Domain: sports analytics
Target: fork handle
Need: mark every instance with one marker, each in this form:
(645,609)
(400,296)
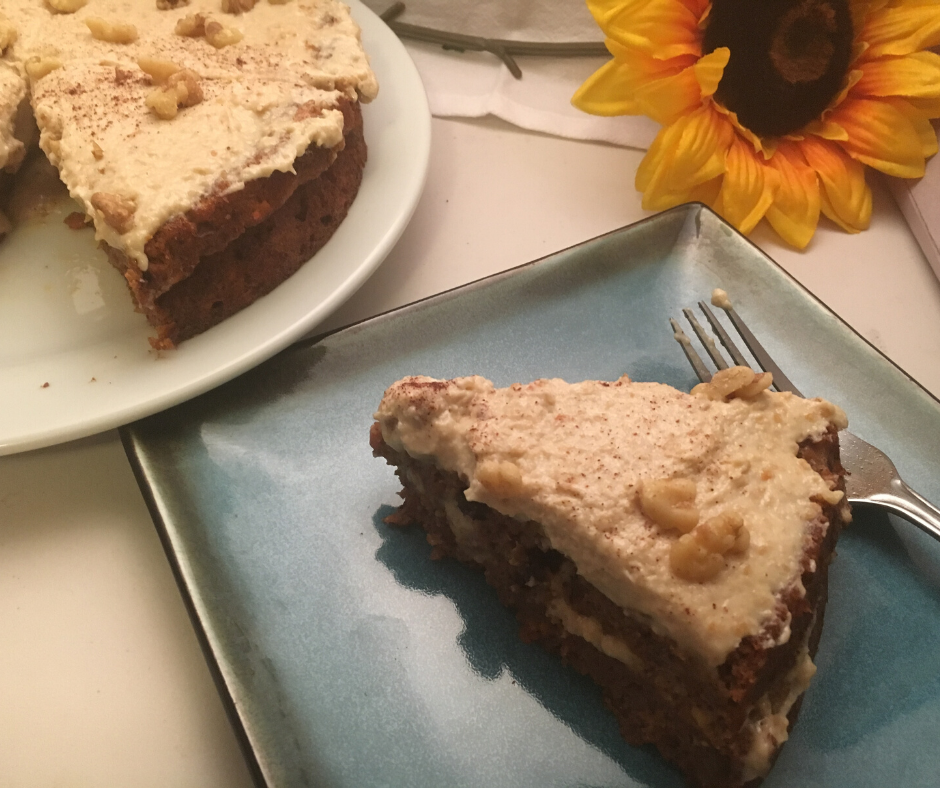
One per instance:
(910,505)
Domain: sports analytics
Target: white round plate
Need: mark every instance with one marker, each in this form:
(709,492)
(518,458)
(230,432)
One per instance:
(74,356)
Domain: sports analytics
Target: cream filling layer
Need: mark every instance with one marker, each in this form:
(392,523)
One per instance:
(590,629)
(771,729)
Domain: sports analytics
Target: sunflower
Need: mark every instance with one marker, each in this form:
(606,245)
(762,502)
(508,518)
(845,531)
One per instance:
(772,108)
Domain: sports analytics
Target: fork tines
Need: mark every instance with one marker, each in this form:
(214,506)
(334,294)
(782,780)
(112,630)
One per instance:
(766,363)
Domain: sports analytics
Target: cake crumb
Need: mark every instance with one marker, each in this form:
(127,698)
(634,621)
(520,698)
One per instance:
(75,221)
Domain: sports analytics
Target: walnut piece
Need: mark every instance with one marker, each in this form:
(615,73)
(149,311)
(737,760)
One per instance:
(7,33)
(699,555)
(186,84)
(191,26)
(237,6)
(278,2)
(220,36)
(117,211)
(112,32)
(182,89)
(38,67)
(670,503)
(96,151)
(65,6)
(158,70)
(741,382)
(169,5)
(502,478)
(163,103)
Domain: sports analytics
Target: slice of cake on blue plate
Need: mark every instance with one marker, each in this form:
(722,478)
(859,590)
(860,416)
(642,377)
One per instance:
(674,547)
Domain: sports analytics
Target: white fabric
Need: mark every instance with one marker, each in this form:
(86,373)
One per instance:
(474,84)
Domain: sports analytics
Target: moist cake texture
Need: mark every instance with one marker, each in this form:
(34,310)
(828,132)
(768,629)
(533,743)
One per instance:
(672,546)
(180,124)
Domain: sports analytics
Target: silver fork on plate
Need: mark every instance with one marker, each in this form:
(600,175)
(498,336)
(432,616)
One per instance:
(872,477)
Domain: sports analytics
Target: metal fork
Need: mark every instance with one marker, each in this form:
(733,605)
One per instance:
(871,478)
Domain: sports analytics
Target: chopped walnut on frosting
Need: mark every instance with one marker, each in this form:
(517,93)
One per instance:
(740,382)
(66,6)
(220,36)
(202,26)
(7,33)
(169,5)
(237,6)
(112,32)
(191,26)
(670,503)
(117,211)
(699,555)
(38,67)
(182,89)
(502,478)
(158,70)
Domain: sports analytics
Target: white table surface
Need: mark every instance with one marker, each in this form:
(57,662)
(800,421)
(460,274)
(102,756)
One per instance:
(102,682)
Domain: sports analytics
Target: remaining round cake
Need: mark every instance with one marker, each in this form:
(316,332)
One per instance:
(218,141)
(672,546)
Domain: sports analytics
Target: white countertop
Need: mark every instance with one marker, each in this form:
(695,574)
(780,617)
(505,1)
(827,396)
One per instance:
(102,682)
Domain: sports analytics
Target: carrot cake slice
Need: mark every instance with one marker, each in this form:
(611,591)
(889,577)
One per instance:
(215,144)
(672,546)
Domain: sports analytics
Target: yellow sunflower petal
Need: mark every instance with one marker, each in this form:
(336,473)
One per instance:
(765,145)
(845,197)
(748,188)
(860,9)
(916,75)
(683,156)
(710,69)
(882,135)
(795,210)
(706,192)
(609,91)
(664,28)
(634,83)
(929,108)
(668,99)
(926,132)
(827,130)
(901,29)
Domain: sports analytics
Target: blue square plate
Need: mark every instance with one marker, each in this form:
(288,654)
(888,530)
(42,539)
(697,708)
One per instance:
(349,659)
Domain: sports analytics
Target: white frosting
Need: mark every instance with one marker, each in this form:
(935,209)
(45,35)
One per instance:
(255,118)
(720,299)
(580,451)
(12,92)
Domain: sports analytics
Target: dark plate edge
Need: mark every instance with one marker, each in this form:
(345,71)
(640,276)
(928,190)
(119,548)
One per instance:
(129,441)
(823,304)
(693,209)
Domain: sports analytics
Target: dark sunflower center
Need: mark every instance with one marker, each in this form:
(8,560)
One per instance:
(788,59)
